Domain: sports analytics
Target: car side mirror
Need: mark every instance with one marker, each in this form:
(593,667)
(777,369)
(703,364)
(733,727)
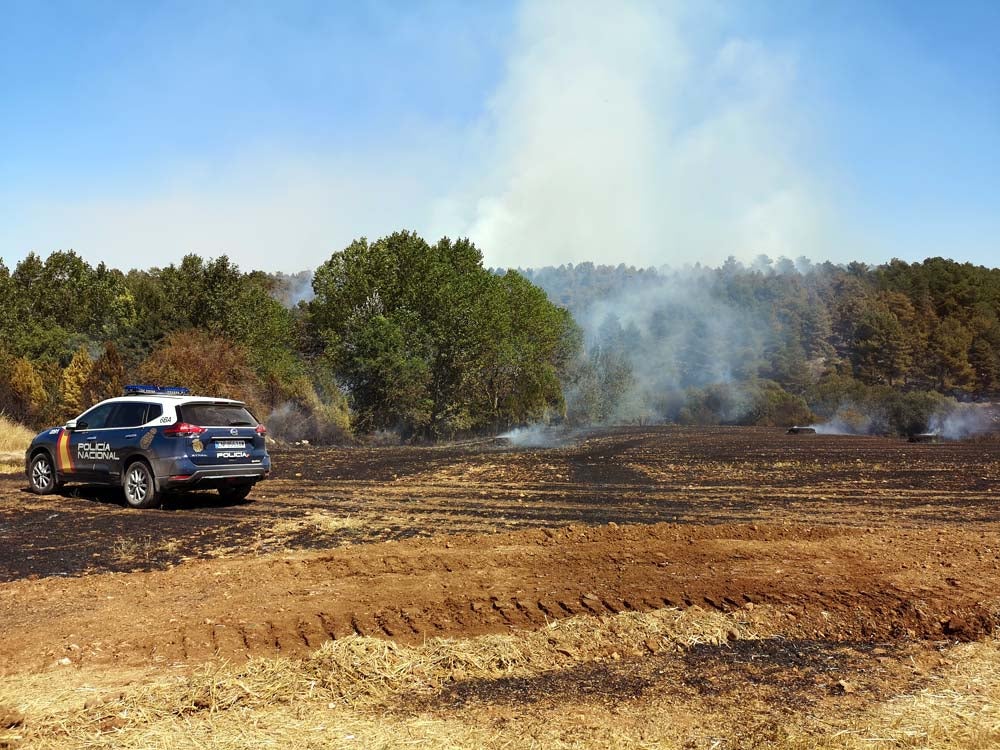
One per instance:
(74,425)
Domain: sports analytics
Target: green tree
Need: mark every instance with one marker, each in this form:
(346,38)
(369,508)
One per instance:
(880,351)
(388,379)
(949,355)
(463,349)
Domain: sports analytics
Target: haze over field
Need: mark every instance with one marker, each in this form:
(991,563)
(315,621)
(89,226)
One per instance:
(547,132)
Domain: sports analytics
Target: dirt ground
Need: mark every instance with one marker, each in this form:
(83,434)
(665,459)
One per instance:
(860,562)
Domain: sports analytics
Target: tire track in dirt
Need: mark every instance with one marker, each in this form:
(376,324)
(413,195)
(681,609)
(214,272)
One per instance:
(846,584)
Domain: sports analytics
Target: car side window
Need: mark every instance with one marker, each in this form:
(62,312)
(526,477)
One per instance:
(96,418)
(153,411)
(127,414)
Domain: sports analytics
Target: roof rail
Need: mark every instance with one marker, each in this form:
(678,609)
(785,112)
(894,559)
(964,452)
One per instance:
(172,390)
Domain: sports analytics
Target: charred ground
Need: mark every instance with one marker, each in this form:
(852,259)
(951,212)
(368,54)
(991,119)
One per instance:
(648,475)
(861,558)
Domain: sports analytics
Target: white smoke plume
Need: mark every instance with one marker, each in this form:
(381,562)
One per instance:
(644,133)
(660,347)
(291,289)
(850,419)
(965,420)
(536,436)
(839,426)
(302,290)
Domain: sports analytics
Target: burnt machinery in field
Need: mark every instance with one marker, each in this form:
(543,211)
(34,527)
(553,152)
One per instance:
(796,430)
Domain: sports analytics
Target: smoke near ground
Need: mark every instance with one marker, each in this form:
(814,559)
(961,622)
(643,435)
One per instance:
(965,421)
(776,342)
(291,289)
(849,420)
(668,346)
(290,423)
(536,436)
(949,419)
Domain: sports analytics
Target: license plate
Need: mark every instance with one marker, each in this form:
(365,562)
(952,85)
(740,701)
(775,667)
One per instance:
(230,444)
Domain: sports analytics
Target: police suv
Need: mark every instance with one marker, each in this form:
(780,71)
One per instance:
(152,440)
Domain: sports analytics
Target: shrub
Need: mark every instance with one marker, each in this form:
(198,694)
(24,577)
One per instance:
(773,406)
(305,416)
(713,404)
(208,364)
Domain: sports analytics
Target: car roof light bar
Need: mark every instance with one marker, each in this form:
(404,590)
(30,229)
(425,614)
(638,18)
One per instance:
(174,390)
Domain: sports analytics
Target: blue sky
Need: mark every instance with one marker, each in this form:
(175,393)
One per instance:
(548,132)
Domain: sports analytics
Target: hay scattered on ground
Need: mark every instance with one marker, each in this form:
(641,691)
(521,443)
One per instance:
(315,521)
(960,708)
(343,696)
(358,673)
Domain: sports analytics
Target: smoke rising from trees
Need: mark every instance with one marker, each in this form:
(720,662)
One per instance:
(857,349)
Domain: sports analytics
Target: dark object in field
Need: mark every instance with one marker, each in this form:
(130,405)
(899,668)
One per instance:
(925,437)
(801,430)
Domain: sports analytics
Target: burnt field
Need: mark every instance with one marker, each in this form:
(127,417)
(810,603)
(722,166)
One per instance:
(320,498)
(827,575)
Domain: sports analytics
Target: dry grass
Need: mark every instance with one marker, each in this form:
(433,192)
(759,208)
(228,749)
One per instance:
(277,535)
(281,534)
(14,441)
(14,436)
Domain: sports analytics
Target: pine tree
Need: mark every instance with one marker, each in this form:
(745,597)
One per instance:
(73,387)
(107,377)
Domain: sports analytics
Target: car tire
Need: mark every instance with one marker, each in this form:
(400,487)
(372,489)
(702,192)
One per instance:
(139,486)
(42,474)
(235,494)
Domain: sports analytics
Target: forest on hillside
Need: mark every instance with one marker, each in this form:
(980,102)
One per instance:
(420,341)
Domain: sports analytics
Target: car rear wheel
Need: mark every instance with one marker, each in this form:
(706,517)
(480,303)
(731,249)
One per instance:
(42,474)
(235,494)
(139,487)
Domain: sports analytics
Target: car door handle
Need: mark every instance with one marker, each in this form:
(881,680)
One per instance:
(91,437)
(131,436)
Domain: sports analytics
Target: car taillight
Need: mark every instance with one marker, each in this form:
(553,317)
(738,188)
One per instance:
(261,429)
(183,429)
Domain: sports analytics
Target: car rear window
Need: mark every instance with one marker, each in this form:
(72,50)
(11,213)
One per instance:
(217,415)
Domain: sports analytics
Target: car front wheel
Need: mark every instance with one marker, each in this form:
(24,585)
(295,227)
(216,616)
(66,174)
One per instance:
(139,487)
(42,474)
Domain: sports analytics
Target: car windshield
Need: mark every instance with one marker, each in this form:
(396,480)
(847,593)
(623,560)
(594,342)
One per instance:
(217,415)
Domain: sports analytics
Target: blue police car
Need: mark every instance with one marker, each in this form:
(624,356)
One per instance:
(152,440)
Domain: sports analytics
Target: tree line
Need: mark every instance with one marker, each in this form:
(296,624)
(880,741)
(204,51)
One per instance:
(780,340)
(399,335)
(421,339)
